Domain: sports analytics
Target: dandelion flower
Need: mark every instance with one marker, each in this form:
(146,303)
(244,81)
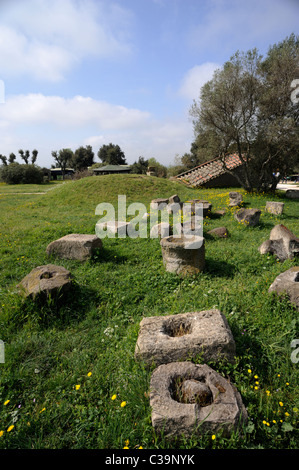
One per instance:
(281,404)
(41,411)
(268,392)
(113,397)
(125,447)
(274,421)
(6,402)
(10,428)
(123,404)
(77,387)
(287,414)
(249,371)
(140,447)
(1,433)
(256,376)
(213,437)
(89,374)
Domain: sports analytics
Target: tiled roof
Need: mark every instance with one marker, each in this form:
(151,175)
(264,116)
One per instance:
(209,170)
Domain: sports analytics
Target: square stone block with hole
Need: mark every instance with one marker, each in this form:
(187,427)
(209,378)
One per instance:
(188,399)
(170,338)
(74,246)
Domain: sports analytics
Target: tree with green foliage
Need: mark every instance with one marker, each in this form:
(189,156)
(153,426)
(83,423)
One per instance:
(112,155)
(12,158)
(62,159)
(83,158)
(3,158)
(140,167)
(34,156)
(247,108)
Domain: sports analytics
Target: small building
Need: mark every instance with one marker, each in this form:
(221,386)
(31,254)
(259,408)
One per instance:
(213,174)
(56,173)
(111,169)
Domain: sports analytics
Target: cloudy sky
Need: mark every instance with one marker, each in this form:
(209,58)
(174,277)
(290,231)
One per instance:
(79,72)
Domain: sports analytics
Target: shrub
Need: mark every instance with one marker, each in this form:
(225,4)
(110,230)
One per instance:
(16,173)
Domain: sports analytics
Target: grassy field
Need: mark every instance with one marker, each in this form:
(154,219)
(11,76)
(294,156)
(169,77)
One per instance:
(70,379)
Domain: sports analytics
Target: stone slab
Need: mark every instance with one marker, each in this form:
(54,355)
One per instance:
(74,246)
(170,338)
(223,409)
(287,283)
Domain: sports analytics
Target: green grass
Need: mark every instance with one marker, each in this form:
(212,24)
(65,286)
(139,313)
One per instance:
(51,349)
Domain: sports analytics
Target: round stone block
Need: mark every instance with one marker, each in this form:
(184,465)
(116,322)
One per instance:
(183,255)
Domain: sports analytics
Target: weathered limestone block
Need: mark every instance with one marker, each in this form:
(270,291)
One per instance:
(274,207)
(282,243)
(74,246)
(174,199)
(287,283)
(111,228)
(249,217)
(235,199)
(292,193)
(206,207)
(213,405)
(47,281)
(171,338)
(220,232)
(184,255)
(160,230)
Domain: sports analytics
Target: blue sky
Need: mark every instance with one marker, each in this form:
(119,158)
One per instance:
(91,72)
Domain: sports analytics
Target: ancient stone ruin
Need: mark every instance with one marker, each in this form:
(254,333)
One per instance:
(219,232)
(287,284)
(183,255)
(292,194)
(274,207)
(171,338)
(282,243)
(248,217)
(74,246)
(188,398)
(235,199)
(45,281)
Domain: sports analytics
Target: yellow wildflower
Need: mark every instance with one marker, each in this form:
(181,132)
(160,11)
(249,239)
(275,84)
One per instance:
(1,433)
(6,402)
(123,403)
(249,371)
(10,428)
(281,404)
(213,437)
(42,410)
(89,374)
(113,397)
(77,387)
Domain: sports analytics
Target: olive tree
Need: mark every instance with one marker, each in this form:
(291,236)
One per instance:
(247,108)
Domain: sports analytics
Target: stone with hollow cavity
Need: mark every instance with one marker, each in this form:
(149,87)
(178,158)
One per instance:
(45,281)
(223,410)
(170,338)
(74,246)
(287,284)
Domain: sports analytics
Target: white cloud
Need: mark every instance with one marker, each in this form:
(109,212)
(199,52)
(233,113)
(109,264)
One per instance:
(195,78)
(52,122)
(44,39)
